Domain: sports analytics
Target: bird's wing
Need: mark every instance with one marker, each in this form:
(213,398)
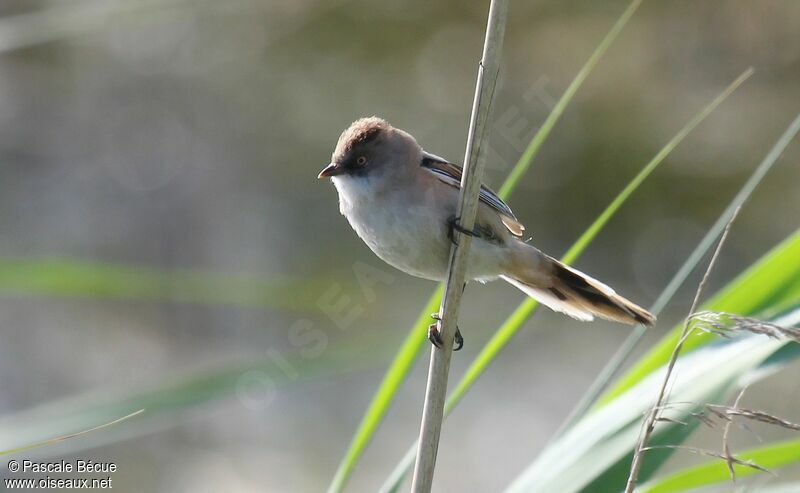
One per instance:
(450,174)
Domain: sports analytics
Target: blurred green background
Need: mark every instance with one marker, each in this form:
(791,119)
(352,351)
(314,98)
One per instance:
(171,148)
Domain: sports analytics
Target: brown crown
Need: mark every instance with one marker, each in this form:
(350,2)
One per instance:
(361,131)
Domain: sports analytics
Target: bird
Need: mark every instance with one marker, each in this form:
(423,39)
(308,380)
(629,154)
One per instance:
(401,201)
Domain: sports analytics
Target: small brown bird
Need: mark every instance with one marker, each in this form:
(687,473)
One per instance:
(402,202)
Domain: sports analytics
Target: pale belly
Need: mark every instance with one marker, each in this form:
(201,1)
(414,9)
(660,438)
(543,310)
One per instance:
(412,239)
(410,233)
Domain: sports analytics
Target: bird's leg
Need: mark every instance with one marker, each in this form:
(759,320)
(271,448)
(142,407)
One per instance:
(454,225)
(435,336)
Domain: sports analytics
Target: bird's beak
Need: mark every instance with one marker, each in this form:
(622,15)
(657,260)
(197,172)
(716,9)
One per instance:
(330,170)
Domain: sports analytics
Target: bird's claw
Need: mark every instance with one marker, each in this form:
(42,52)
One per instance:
(435,336)
(454,225)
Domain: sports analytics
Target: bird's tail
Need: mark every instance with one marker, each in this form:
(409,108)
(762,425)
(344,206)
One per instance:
(569,291)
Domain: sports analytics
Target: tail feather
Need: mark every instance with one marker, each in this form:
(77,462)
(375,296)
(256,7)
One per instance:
(548,299)
(573,293)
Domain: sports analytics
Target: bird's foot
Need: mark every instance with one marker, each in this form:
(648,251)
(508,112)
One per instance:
(435,336)
(454,225)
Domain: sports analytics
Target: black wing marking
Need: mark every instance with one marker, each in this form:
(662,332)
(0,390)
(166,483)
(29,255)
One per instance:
(450,174)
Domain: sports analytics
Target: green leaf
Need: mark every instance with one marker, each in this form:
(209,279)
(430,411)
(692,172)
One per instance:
(785,287)
(771,457)
(544,131)
(412,346)
(102,280)
(528,307)
(167,402)
(772,282)
(616,475)
(602,439)
(595,453)
(593,393)
(391,382)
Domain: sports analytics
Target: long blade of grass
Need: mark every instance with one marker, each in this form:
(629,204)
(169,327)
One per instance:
(771,282)
(62,277)
(536,143)
(528,307)
(767,287)
(759,292)
(772,456)
(615,363)
(52,441)
(167,403)
(658,355)
(662,399)
(582,459)
(391,382)
(409,351)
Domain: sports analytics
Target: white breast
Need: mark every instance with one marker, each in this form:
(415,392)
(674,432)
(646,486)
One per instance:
(406,234)
(409,230)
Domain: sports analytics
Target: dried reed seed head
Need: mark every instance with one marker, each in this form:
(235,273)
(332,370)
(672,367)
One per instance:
(727,324)
(728,412)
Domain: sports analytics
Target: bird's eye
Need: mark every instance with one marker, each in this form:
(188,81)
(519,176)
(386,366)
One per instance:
(361,161)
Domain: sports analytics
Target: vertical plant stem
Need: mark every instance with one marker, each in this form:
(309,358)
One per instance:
(652,416)
(401,365)
(726,450)
(436,390)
